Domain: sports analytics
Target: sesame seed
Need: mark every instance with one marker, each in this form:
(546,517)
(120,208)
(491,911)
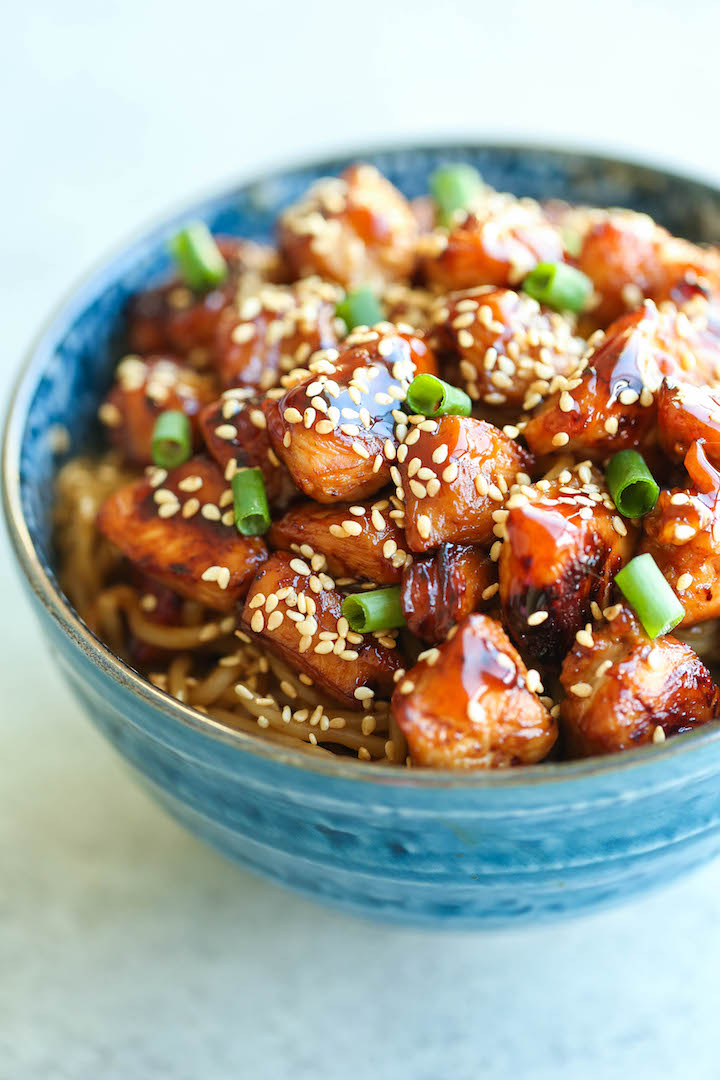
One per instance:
(190,508)
(274,620)
(226,431)
(585,638)
(360,450)
(407,686)
(537,617)
(658,735)
(619,526)
(424,526)
(168,509)
(292,416)
(300,567)
(684,582)
(611,613)
(363,693)
(490,591)
(628,396)
(561,439)
(581,689)
(450,473)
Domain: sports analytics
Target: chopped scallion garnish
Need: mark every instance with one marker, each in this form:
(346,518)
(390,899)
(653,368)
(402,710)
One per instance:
(429,396)
(171,439)
(631,484)
(648,592)
(379,609)
(252,514)
(454,188)
(558,286)
(199,259)
(360,307)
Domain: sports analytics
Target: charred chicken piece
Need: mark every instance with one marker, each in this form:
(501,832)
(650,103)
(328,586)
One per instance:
(142,390)
(629,258)
(564,543)
(498,244)
(274,331)
(335,429)
(175,319)
(453,475)
(235,433)
(686,414)
(609,404)
(357,540)
(682,533)
(304,626)
(506,349)
(470,703)
(439,590)
(356,229)
(179,528)
(625,690)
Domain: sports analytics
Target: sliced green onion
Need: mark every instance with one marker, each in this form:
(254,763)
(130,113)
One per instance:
(454,188)
(380,609)
(429,396)
(252,514)
(647,591)
(632,485)
(558,286)
(171,439)
(360,307)
(199,259)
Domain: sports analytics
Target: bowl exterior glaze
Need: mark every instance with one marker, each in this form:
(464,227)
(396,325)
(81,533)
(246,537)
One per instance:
(466,851)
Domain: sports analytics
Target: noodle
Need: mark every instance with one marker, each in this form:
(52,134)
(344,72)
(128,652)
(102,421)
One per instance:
(200,658)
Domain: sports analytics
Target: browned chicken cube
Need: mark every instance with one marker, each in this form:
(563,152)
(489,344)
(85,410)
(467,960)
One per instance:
(610,403)
(299,619)
(453,475)
(179,529)
(506,349)
(356,229)
(274,331)
(471,703)
(358,540)
(564,543)
(629,258)
(335,431)
(499,244)
(625,690)
(235,433)
(439,590)
(142,390)
(172,318)
(686,414)
(682,533)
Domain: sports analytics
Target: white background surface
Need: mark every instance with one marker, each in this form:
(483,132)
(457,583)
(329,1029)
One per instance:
(126,949)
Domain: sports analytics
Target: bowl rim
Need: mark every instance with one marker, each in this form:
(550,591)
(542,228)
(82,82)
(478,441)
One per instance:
(91,284)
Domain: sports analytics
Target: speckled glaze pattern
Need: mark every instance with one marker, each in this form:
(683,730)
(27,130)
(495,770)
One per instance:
(405,846)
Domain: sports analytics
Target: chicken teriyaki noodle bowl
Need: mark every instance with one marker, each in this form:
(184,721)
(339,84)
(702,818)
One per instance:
(426,483)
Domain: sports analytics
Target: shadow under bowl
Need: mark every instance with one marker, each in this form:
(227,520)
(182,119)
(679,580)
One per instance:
(410,846)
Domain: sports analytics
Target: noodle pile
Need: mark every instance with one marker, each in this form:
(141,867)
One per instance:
(202,659)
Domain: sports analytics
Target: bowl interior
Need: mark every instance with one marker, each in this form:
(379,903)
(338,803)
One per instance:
(70,368)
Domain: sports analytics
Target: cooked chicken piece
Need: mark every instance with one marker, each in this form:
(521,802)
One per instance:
(359,541)
(179,529)
(174,319)
(629,258)
(335,430)
(682,534)
(506,349)
(356,229)
(564,544)
(142,390)
(609,404)
(274,331)
(498,244)
(439,590)
(625,690)
(685,414)
(299,618)
(470,703)
(235,433)
(453,474)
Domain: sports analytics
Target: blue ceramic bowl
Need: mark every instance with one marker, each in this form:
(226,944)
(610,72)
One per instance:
(431,848)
